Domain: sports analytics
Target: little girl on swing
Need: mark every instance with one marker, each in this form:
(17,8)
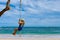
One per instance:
(21,24)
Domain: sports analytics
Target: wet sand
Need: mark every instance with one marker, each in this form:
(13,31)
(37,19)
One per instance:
(29,37)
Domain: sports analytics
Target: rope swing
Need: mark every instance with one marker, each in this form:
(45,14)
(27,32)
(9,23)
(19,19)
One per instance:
(20,9)
(21,18)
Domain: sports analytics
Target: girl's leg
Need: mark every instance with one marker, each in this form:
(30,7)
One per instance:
(15,30)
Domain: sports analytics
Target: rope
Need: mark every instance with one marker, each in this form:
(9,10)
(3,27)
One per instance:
(20,9)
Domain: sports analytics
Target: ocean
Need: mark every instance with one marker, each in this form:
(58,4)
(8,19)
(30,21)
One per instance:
(31,30)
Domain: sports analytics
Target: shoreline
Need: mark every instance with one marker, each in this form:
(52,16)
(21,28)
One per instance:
(29,37)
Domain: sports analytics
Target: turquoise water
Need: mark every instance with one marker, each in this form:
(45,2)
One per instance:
(31,30)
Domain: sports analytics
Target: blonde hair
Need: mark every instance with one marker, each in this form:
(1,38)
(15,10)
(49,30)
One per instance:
(21,20)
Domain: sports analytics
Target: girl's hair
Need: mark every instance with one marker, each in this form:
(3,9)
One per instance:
(21,20)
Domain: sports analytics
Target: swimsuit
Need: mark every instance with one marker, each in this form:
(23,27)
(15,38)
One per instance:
(20,28)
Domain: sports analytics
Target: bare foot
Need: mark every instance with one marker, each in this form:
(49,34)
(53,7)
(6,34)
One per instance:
(14,33)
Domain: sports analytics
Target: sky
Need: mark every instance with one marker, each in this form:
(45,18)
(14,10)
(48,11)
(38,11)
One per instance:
(36,13)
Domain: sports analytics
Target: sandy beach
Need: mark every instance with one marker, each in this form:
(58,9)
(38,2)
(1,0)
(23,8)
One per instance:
(30,37)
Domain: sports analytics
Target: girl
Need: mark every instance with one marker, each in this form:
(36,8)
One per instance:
(21,24)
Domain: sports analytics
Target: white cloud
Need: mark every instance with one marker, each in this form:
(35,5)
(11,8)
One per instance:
(50,5)
(38,9)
